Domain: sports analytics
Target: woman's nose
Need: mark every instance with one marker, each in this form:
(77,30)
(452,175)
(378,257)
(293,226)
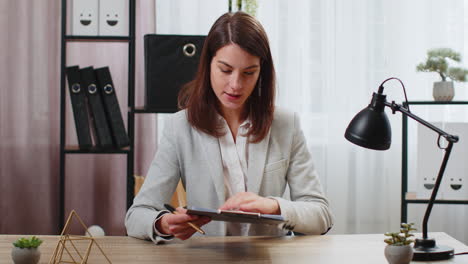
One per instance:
(235,82)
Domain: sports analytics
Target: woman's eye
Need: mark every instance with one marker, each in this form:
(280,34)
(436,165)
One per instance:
(226,71)
(249,73)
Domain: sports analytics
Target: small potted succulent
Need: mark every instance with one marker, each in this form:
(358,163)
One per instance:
(399,249)
(26,251)
(438,61)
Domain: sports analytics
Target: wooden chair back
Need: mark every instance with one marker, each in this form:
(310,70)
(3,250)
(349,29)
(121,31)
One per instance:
(179,198)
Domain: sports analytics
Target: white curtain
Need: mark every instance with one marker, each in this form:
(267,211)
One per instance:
(330,56)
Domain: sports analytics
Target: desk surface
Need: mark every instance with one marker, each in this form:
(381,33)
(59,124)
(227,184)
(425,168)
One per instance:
(304,249)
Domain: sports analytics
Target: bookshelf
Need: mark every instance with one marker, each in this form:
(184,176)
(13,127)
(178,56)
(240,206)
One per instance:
(74,150)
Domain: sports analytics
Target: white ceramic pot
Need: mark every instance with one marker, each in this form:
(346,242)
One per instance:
(25,255)
(443,91)
(399,254)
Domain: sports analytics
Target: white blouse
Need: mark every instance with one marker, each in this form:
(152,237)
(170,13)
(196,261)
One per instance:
(235,156)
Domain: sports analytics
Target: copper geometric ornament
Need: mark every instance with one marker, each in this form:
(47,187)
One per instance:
(63,253)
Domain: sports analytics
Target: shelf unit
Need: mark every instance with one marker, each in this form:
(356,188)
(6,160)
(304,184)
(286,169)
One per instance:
(404,164)
(64,149)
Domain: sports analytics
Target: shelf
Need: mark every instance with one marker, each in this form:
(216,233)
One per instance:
(98,38)
(424,201)
(74,149)
(143,110)
(77,150)
(405,201)
(437,103)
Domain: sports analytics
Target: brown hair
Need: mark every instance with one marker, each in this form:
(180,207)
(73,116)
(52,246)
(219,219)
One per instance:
(198,96)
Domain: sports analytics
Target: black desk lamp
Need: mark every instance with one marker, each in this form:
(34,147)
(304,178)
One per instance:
(370,128)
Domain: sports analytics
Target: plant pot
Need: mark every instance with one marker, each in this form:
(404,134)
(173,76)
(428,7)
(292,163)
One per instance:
(25,255)
(443,91)
(398,254)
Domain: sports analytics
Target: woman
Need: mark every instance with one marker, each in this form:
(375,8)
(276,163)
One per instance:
(231,148)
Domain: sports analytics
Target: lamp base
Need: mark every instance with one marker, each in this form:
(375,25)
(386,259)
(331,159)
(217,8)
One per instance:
(426,249)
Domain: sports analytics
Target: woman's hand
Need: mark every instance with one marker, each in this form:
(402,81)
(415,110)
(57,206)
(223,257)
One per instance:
(176,224)
(250,202)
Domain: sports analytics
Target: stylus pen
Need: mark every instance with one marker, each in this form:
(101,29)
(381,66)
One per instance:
(173,210)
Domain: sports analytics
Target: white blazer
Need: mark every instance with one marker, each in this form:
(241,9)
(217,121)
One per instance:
(281,159)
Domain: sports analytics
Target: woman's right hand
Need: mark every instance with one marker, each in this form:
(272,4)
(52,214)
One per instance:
(176,224)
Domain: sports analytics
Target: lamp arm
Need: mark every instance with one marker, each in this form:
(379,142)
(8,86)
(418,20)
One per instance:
(403,110)
(436,188)
(450,138)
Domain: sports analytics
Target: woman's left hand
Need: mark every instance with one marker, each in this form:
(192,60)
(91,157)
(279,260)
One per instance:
(250,202)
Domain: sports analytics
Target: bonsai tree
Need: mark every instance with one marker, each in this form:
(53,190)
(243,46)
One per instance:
(33,242)
(437,61)
(402,238)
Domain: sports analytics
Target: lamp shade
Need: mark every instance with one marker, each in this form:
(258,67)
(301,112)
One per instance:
(370,128)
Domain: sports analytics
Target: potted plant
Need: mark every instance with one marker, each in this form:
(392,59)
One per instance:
(26,251)
(399,249)
(438,61)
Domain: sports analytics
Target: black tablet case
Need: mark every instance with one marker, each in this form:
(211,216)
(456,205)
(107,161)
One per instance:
(111,107)
(98,118)
(168,68)
(79,107)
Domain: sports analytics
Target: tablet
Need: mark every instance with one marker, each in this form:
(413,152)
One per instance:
(236,216)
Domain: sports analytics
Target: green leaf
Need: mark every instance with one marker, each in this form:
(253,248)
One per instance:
(33,242)
(401,238)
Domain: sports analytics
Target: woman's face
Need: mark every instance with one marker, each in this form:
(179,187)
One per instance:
(234,73)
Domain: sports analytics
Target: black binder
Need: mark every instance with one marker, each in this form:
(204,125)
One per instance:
(99,122)
(111,107)
(79,107)
(170,62)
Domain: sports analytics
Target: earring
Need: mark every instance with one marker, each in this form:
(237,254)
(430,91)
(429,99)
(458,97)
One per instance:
(259,86)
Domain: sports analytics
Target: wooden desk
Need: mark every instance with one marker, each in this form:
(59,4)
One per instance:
(327,249)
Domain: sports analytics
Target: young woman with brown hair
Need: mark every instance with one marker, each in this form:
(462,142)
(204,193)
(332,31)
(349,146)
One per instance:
(231,148)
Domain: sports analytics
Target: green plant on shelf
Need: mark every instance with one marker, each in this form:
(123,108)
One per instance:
(402,238)
(32,242)
(438,61)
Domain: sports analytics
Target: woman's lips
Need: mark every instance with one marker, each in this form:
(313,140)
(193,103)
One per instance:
(232,97)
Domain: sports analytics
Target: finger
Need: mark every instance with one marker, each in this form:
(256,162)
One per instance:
(251,207)
(181,210)
(183,227)
(234,202)
(227,204)
(185,234)
(263,205)
(180,228)
(202,221)
(180,218)
(234,198)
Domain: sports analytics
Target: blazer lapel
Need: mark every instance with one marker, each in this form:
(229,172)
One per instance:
(212,155)
(257,159)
